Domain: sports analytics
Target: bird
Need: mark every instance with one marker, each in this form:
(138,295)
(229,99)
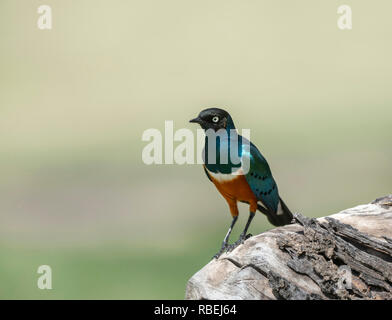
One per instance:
(237,182)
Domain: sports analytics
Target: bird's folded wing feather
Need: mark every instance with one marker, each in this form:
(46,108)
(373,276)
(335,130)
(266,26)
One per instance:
(260,179)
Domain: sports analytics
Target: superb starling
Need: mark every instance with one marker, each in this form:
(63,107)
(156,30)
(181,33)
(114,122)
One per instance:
(247,180)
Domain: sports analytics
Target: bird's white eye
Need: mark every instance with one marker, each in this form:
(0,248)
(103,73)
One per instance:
(215,119)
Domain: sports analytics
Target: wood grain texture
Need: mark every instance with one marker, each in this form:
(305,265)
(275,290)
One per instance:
(347,255)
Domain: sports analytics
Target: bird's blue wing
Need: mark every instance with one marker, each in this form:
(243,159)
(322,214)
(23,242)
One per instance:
(260,179)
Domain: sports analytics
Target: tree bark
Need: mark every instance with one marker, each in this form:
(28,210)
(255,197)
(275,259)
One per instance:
(343,256)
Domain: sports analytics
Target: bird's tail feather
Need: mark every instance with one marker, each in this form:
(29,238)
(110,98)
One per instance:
(281,217)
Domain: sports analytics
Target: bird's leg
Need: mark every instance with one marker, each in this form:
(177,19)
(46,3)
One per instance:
(226,239)
(243,235)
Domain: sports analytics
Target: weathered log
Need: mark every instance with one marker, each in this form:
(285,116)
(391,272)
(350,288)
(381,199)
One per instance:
(344,256)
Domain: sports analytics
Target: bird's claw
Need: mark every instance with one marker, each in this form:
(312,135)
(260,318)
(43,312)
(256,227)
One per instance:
(230,247)
(222,249)
(249,235)
(241,240)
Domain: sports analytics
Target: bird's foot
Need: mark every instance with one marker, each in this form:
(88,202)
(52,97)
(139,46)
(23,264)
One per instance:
(228,248)
(241,240)
(222,249)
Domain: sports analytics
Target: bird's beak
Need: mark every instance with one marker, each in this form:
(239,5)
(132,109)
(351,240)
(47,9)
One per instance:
(196,120)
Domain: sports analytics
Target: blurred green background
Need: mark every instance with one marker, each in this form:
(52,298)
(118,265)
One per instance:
(75,100)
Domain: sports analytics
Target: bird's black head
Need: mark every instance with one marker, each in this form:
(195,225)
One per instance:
(214,118)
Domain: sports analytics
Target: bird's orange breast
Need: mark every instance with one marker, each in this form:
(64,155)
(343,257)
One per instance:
(234,187)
